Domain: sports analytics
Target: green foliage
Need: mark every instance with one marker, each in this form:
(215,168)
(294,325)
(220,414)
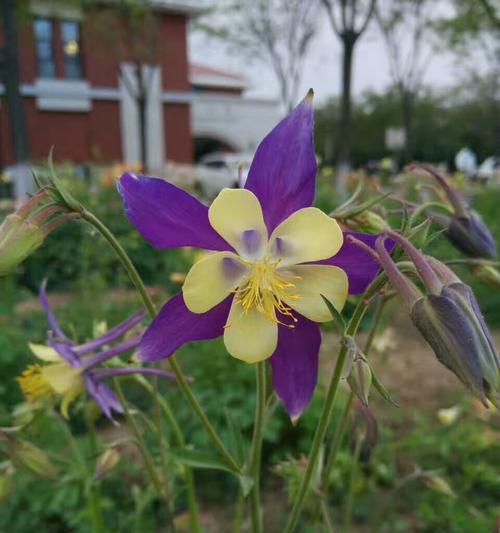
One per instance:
(443,124)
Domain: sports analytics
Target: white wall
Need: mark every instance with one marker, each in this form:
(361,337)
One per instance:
(238,121)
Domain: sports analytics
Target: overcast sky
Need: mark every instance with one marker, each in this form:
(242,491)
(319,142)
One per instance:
(371,69)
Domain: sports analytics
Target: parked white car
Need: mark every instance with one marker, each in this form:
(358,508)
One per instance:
(218,170)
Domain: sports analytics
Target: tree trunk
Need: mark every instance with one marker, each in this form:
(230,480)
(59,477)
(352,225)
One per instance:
(10,75)
(141,105)
(344,132)
(407,100)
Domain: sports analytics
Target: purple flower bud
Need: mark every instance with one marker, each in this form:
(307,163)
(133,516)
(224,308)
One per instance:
(465,229)
(449,319)
(470,235)
(452,323)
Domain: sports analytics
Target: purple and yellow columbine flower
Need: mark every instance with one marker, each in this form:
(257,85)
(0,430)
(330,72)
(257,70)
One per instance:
(273,257)
(69,369)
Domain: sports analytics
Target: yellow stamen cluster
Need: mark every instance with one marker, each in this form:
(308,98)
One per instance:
(33,384)
(265,289)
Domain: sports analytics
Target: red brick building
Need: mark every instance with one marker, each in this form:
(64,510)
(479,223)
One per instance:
(78,75)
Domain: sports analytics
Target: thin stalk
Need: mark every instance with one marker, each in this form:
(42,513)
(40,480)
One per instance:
(163,445)
(148,460)
(94,494)
(148,303)
(238,513)
(93,500)
(327,520)
(256,450)
(326,413)
(352,479)
(179,439)
(339,432)
(337,439)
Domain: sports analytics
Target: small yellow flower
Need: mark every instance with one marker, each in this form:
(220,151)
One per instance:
(50,380)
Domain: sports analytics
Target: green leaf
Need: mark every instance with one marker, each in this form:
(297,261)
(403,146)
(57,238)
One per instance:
(235,437)
(382,390)
(352,212)
(337,317)
(199,459)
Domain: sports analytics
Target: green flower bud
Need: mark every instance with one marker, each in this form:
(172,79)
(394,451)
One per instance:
(370,222)
(23,231)
(18,240)
(487,274)
(360,378)
(106,462)
(26,455)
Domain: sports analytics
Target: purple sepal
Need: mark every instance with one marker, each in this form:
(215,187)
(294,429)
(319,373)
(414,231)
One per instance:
(54,325)
(167,216)
(360,267)
(89,362)
(103,395)
(175,325)
(112,334)
(64,349)
(283,171)
(295,365)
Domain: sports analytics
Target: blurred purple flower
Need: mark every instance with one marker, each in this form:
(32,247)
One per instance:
(70,369)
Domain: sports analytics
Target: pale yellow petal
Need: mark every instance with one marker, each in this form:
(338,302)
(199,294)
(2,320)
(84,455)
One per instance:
(236,215)
(61,376)
(250,336)
(211,280)
(69,397)
(45,353)
(312,281)
(306,235)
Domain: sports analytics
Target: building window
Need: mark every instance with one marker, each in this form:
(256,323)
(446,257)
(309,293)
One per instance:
(44,39)
(70,37)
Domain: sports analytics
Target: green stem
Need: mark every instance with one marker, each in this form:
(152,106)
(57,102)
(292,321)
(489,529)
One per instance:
(93,500)
(337,439)
(256,450)
(94,494)
(326,413)
(238,513)
(352,479)
(148,461)
(163,445)
(179,439)
(181,380)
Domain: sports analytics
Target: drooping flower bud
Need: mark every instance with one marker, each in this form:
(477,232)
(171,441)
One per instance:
(26,455)
(449,319)
(23,231)
(470,235)
(368,221)
(464,228)
(487,274)
(106,462)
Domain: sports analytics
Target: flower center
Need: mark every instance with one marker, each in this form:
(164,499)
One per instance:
(33,384)
(266,289)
